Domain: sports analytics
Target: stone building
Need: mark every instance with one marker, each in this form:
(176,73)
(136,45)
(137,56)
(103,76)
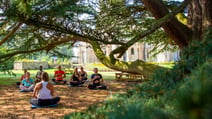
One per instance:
(84,54)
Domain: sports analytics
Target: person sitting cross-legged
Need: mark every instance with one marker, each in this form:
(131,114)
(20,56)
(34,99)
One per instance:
(22,78)
(27,84)
(38,75)
(44,92)
(83,74)
(97,80)
(76,79)
(59,75)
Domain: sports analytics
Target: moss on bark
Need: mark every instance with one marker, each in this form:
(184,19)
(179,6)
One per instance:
(135,67)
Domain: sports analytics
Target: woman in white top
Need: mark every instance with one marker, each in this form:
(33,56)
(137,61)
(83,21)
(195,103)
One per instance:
(43,92)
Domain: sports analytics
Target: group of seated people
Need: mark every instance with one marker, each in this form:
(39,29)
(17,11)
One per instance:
(79,78)
(27,83)
(43,90)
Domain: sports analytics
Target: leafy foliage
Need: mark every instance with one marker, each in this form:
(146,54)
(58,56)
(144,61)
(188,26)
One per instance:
(32,26)
(128,20)
(194,99)
(45,22)
(28,38)
(6,66)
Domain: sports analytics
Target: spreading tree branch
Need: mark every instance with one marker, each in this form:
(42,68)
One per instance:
(46,47)
(58,28)
(11,33)
(122,49)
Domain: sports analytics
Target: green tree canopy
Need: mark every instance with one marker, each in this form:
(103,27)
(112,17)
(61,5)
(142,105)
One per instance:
(31,26)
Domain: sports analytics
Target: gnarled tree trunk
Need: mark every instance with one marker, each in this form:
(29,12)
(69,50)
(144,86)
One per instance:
(180,33)
(136,67)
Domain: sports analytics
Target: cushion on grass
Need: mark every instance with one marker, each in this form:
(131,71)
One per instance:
(36,106)
(76,86)
(25,91)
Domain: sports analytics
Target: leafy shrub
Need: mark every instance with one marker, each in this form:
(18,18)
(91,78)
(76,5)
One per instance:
(194,95)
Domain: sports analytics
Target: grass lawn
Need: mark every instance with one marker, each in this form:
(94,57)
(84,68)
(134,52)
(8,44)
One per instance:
(6,79)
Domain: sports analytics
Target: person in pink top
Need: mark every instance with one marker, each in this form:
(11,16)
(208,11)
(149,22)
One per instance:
(22,77)
(59,76)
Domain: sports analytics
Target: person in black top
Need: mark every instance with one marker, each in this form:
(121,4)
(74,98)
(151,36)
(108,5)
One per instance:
(97,79)
(76,78)
(38,75)
(83,74)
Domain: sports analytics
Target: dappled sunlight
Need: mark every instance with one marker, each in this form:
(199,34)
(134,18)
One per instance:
(15,104)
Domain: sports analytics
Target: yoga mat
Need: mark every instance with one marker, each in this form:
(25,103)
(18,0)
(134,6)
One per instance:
(36,106)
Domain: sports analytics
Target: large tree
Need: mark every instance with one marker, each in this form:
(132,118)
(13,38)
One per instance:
(199,19)
(30,26)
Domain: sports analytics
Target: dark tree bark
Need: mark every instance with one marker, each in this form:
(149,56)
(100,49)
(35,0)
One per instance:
(180,33)
(200,17)
(195,19)
(206,14)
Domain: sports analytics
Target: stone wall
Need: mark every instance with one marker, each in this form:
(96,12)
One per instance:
(55,66)
(19,65)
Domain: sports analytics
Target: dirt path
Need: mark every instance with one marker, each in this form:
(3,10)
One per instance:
(15,104)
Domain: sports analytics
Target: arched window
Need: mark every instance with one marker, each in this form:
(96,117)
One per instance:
(132,51)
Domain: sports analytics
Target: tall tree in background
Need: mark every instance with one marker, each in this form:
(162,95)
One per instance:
(199,19)
(30,26)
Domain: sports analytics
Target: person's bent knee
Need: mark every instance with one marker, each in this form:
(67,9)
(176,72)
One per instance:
(56,100)
(34,101)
